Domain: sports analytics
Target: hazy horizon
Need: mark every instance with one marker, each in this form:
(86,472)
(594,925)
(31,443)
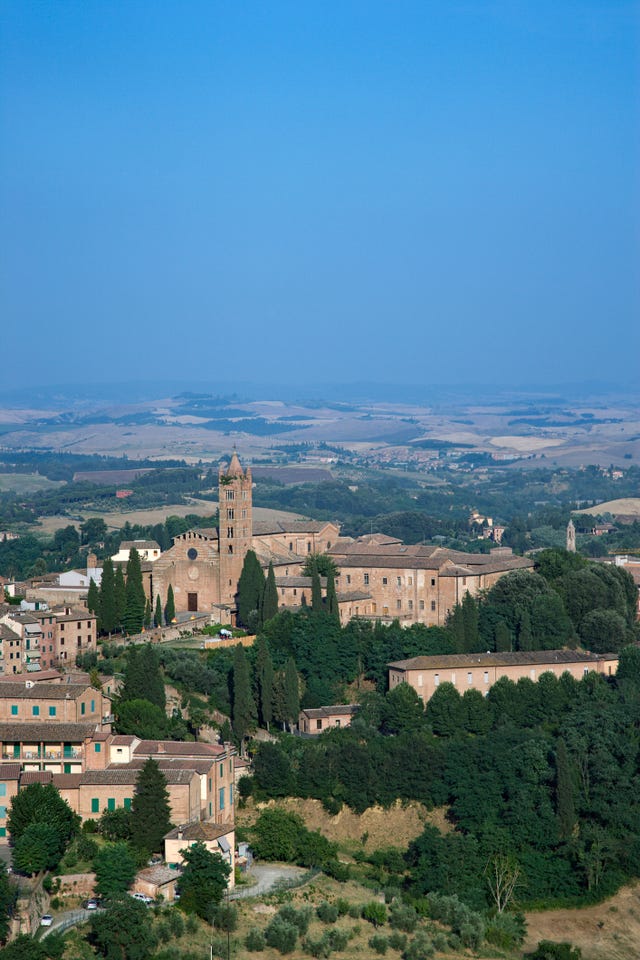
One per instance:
(322,193)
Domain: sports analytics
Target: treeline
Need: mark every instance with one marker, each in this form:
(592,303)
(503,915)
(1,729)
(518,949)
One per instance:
(544,773)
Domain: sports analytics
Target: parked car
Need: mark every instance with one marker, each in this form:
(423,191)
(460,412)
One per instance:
(142,897)
(46,920)
(91,904)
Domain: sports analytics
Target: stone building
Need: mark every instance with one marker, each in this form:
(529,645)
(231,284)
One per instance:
(479,671)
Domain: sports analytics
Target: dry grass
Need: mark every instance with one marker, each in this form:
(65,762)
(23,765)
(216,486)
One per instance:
(629,505)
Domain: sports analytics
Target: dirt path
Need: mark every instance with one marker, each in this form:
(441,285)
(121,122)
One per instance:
(610,931)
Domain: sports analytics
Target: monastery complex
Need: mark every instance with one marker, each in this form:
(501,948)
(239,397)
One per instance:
(380,578)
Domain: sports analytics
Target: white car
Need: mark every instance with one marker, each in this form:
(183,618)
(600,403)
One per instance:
(142,897)
(46,920)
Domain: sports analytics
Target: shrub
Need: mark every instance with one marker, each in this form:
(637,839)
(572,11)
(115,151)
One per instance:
(403,917)
(420,948)
(549,950)
(355,911)
(506,930)
(299,918)
(281,935)
(337,939)
(343,906)
(332,805)
(379,943)
(317,948)
(226,917)
(176,923)
(339,871)
(397,941)
(254,940)
(327,912)
(375,913)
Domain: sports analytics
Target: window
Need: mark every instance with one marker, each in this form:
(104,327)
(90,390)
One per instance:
(52,711)
(230,532)
(3,813)
(127,803)
(222,769)
(308,547)
(231,795)
(14,709)
(410,604)
(243,513)
(97,747)
(221,798)
(244,495)
(420,679)
(384,581)
(410,581)
(436,680)
(398,581)
(464,581)
(348,578)
(469,677)
(93,706)
(366,579)
(95,805)
(433,604)
(433,581)
(111,803)
(229,495)
(398,604)
(35,710)
(230,766)
(210,787)
(230,513)
(532,674)
(422,604)
(3,789)
(83,708)
(318,724)
(486,676)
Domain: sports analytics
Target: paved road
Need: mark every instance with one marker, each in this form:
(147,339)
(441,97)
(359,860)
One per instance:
(68,918)
(267,876)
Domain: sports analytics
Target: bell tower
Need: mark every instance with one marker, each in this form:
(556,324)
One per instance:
(234,525)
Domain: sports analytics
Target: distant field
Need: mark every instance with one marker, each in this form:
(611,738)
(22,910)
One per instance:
(27,482)
(117,519)
(630,506)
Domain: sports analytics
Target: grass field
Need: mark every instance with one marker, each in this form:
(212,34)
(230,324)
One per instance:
(27,482)
(630,506)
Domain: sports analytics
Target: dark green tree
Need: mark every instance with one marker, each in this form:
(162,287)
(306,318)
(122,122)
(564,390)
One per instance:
(151,813)
(93,530)
(291,691)
(115,869)
(203,881)
(93,599)
(39,848)
(502,637)
(402,710)
(143,678)
(324,564)
(169,607)
(157,617)
(470,623)
(7,901)
(41,803)
(250,592)
(332,599)
(565,808)
(135,595)
(265,680)
(107,602)
(316,591)
(244,708)
(140,718)
(123,931)
(147,614)
(120,592)
(270,597)
(525,636)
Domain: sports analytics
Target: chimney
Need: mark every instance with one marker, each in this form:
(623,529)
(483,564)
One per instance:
(180,833)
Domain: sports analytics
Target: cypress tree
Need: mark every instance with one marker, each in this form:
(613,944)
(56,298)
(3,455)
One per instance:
(456,625)
(503,637)
(150,810)
(143,678)
(525,635)
(135,595)
(120,598)
(303,600)
(108,619)
(469,614)
(157,617)
(147,613)
(291,693)
(244,708)
(270,597)
(169,607)
(264,672)
(316,591)
(565,809)
(250,591)
(332,600)
(93,598)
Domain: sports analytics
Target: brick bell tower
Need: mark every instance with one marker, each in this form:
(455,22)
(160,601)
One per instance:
(234,525)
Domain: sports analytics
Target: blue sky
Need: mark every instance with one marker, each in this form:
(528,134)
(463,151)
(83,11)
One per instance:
(425,192)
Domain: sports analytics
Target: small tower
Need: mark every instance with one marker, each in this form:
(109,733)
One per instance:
(571,537)
(234,525)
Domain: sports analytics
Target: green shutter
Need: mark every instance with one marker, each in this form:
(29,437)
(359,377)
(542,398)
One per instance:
(52,711)
(67,768)
(127,803)
(95,805)
(98,747)
(14,709)
(111,803)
